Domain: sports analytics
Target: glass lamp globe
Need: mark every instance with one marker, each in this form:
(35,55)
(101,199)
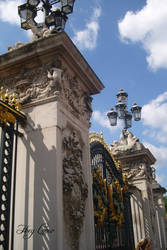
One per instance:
(26,13)
(122,96)
(136,111)
(57,19)
(67,6)
(120,107)
(128,120)
(112,116)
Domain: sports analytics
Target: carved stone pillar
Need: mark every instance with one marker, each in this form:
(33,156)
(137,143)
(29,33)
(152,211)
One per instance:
(158,192)
(53,208)
(136,161)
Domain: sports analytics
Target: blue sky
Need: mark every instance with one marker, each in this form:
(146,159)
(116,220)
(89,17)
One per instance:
(125,42)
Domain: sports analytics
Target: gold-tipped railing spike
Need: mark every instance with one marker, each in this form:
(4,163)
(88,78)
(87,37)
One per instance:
(7,96)
(10,108)
(13,100)
(17,106)
(2,96)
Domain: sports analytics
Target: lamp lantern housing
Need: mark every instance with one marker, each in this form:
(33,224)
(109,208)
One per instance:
(122,96)
(67,6)
(136,111)
(112,116)
(120,107)
(57,19)
(26,12)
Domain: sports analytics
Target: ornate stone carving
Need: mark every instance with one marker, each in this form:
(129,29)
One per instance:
(48,86)
(74,98)
(75,189)
(138,170)
(16,46)
(128,143)
(49,80)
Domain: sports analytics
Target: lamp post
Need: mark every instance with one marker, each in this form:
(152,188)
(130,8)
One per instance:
(55,20)
(122,112)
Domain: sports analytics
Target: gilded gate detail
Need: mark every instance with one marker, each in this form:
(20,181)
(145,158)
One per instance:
(111,198)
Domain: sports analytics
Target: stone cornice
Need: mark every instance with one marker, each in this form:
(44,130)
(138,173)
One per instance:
(143,154)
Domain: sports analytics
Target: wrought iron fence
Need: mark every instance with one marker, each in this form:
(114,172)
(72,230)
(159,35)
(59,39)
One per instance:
(112,212)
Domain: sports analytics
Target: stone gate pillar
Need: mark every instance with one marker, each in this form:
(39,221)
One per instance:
(53,205)
(136,161)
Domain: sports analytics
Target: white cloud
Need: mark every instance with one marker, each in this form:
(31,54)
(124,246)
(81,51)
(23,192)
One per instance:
(87,38)
(160,153)
(9,11)
(154,115)
(161,179)
(148,26)
(103,121)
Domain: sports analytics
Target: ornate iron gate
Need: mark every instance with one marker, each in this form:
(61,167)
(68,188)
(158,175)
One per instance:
(112,213)
(9,118)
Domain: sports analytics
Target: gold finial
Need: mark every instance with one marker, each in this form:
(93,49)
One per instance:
(7,96)
(18,106)
(2,94)
(101,134)
(121,89)
(119,165)
(13,100)
(134,103)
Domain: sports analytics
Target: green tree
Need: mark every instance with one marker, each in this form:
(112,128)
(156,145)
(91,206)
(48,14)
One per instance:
(165,202)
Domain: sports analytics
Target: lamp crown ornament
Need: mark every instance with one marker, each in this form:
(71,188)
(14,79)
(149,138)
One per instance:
(54,20)
(122,111)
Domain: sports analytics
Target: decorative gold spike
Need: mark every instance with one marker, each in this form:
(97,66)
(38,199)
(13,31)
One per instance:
(7,96)
(119,165)
(18,106)
(2,94)
(13,101)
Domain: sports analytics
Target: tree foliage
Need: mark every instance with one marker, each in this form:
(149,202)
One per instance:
(165,202)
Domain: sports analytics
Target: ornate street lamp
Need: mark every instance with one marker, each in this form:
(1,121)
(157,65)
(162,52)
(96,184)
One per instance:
(122,112)
(54,20)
